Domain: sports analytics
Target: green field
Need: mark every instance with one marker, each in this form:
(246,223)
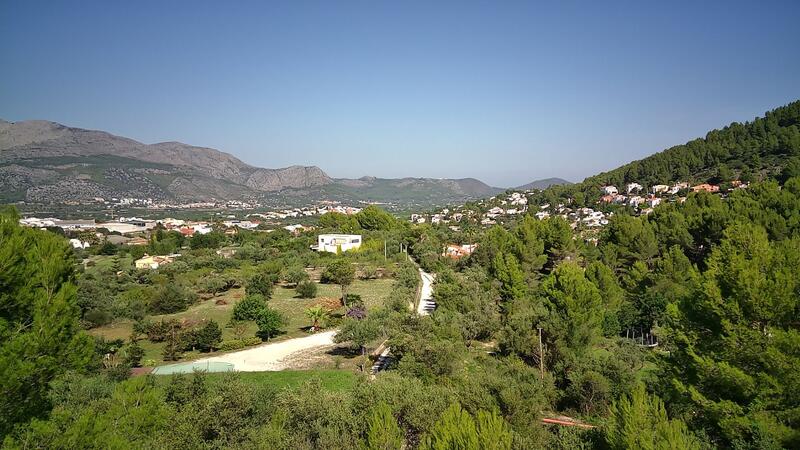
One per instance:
(373,292)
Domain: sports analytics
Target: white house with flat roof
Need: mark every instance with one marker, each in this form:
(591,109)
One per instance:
(334,243)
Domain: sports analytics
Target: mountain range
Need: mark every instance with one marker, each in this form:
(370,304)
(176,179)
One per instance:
(46,162)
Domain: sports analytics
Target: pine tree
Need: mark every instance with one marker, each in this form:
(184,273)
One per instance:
(40,337)
(383,432)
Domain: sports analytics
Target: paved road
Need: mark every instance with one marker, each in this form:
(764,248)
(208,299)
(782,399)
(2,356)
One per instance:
(426,303)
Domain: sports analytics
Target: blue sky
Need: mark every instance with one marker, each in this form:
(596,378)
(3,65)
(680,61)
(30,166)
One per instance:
(506,92)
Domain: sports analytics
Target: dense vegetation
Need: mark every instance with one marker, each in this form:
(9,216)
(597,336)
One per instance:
(677,329)
(768,147)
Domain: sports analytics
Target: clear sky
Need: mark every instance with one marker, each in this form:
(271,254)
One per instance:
(503,91)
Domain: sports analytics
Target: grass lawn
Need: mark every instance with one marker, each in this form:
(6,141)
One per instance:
(373,292)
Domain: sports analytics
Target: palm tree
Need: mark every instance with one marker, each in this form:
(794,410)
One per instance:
(318,315)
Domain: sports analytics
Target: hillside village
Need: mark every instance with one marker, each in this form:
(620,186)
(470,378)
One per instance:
(638,199)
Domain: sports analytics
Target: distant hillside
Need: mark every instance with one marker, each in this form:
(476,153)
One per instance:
(543,184)
(46,162)
(765,148)
(748,150)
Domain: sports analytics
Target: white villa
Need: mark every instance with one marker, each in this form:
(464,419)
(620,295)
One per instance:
(334,243)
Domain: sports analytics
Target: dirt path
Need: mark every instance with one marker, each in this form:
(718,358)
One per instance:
(277,356)
(426,303)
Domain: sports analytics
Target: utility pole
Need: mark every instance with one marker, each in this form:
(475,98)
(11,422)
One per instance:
(541,354)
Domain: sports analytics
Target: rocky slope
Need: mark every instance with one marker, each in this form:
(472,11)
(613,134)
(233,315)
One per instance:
(46,162)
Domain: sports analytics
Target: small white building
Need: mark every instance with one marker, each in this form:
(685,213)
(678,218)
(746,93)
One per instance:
(334,243)
(660,188)
(76,243)
(633,188)
(610,190)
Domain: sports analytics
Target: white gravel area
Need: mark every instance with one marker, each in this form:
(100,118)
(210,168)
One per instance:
(269,357)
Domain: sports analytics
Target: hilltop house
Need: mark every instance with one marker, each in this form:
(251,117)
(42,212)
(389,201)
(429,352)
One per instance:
(660,189)
(154,262)
(455,251)
(610,190)
(705,187)
(334,243)
(633,188)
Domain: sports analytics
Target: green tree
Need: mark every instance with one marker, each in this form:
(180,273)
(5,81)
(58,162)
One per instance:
(295,274)
(455,430)
(261,284)
(170,298)
(270,322)
(306,289)
(340,222)
(383,433)
(735,341)
(173,342)
(134,354)
(214,239)
(40,337)
(639,421)
(375,219)
(493,431)
(576,310)
(340,272)
(512,280)
(208,336)
(250,307)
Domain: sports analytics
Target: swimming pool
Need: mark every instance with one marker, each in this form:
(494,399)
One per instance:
(189,367)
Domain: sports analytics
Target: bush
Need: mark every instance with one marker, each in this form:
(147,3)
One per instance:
(96,317)
(368,272)
(205,338)
(250,307)
(261,284)
(295,275)
(133,355)
(307,289)
(354,301)
(235,344)
(156,331)
(171,298)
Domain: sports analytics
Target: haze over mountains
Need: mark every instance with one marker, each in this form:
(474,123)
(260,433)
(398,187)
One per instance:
(43,162)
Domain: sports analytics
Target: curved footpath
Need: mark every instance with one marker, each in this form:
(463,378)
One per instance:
(265,357)
(426,304)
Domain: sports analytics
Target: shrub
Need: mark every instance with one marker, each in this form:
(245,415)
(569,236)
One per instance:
(171,298)
(368,272)
(295,275)
(231,344)
(205,338)
(157,331)
(306,289)
(250,307)
(354,301)
(96,317)
(134,354)
(235,344)
(261,284)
